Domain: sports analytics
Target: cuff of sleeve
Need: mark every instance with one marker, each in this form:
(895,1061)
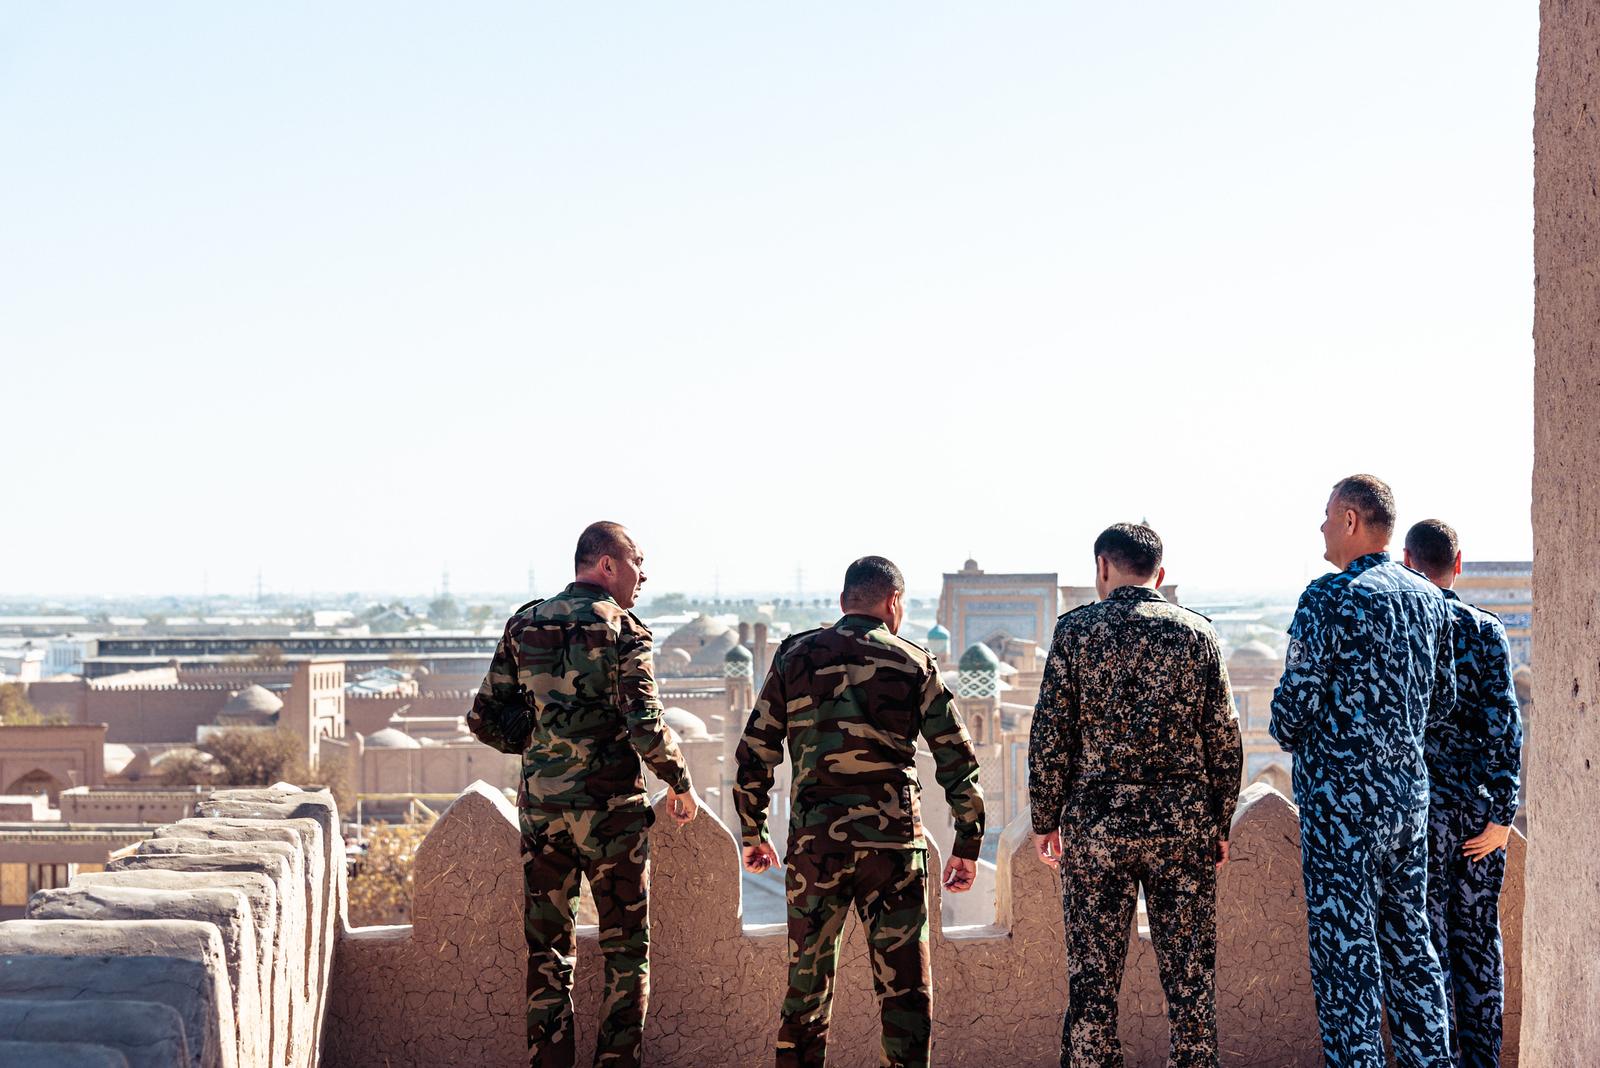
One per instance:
(967,848)
(750,840)
(681,785)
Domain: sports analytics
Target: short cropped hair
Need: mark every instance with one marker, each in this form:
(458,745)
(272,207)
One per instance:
(1132,547)
(604,538)
(870,580)
(1369,497)
(1433,545)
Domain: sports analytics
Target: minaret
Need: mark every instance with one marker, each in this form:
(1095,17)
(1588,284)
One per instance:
(738,680)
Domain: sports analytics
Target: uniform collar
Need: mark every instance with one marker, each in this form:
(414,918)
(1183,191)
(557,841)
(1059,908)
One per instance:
(587,589)
(1449,594)
(860,619)
(1362,563)
(1135,593)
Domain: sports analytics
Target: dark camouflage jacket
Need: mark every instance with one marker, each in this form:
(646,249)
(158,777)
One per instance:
(1370,667)
(1135,731)
(571,688)
(1476,750)
(851,701)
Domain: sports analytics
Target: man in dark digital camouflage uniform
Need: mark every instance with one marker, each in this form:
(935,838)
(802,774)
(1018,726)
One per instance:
(1133,766)
(1474,758)
(851,700)
(572,690)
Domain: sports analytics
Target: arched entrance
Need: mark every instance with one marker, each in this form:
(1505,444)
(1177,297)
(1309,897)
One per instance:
(34,782)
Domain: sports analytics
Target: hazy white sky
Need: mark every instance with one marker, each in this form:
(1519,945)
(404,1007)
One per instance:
(353,292)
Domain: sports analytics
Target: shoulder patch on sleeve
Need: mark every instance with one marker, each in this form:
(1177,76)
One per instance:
(1298,654)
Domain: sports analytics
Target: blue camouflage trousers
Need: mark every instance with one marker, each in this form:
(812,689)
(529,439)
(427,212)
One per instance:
(1464,910)
(1366,867)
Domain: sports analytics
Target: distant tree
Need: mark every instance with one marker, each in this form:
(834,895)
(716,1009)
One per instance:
(668,604)
(444,610)
(189,767)
(480,614)
(17,711)
(248,756)
(267,655)
(381,887)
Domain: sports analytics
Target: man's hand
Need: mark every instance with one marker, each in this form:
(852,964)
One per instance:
(1049,847)
(684,807)
(758,858)
(959,875)
(1493,837)
(1222,852)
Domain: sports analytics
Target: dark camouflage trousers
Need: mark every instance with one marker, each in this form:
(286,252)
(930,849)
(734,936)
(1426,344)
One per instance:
(1464,915)
(1366,875)
(1101,874)
(613,851)
(888,889)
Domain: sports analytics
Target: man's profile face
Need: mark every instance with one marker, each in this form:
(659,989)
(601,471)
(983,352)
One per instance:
(628,575)
(1333,532)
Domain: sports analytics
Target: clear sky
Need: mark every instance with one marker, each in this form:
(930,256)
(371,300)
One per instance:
(354,292)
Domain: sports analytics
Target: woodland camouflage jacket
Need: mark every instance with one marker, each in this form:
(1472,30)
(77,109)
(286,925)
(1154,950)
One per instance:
(571,688)
(851,701)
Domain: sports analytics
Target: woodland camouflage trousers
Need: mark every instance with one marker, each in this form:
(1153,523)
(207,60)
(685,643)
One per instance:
(888,890)
(613,850)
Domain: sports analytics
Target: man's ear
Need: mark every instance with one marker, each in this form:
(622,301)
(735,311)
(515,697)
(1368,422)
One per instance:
(1352,520)
(1458,562)
(1161,576)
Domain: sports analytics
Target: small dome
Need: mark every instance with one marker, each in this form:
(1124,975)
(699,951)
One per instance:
(389,738)
(739,653)
(1254,651)
(701,628)
(685,724)
(676,656)
(971,566)
(979,657)
(937,633)
(253,706)
(253,699)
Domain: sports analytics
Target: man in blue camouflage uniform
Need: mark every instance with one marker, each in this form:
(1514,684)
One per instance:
(1474,767)
(1369,668)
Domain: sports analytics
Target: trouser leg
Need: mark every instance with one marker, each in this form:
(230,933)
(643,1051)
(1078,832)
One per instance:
(1414,985)
(819,897)
(1098,894)
(1341,916)
(1180,889)
(617,861)
(1444,847)
(550,873)
(1476,961)
(891,893)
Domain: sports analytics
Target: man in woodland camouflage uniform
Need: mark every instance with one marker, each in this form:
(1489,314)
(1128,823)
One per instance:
(851,701)
(572,690)
(1133,766)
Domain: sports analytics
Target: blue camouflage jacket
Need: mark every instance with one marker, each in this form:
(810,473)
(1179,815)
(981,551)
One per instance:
(1369,668)
(1477,750)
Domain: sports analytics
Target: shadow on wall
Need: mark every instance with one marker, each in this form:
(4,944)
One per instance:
(450,988)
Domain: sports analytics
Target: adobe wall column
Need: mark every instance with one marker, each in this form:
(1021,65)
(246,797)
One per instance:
(1561,1007)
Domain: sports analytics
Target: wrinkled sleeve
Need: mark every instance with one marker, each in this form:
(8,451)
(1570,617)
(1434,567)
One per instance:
(1052,741)
(499,716)
(1503,751)
(641,706)
(1219,732)
(1303,694)
(758,754)
(955,764)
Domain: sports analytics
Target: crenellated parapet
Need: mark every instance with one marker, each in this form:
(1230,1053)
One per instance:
(449,988)
(221,941)
(208,944)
